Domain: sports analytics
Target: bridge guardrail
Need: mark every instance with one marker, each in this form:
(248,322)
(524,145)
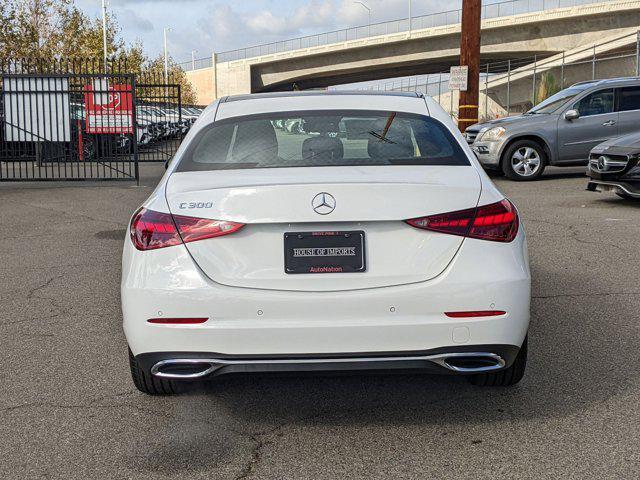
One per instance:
(450,17)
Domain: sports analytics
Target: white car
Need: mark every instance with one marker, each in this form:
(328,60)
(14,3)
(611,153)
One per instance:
(371,239)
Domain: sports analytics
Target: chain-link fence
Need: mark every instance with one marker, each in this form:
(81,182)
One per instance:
(514,86)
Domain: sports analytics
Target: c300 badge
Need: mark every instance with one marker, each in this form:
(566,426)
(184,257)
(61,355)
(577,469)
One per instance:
(190,205)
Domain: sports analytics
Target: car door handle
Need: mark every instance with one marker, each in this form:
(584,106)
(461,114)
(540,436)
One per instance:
(609,123)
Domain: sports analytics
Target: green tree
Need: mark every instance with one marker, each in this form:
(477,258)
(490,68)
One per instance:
(39,29)
(547,86)
(57,30)
(152,71)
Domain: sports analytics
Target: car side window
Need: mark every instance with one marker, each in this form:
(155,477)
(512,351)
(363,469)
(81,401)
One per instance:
(595,103)
(628,99)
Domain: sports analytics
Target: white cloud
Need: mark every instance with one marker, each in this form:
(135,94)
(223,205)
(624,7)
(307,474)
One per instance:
(130,20)
(265,22)
(219,25)
(317,13)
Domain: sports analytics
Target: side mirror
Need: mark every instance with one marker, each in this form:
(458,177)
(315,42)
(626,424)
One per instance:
(166,163)
(571,114)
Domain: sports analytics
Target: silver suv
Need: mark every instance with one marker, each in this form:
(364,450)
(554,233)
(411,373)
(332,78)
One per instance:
(559,131)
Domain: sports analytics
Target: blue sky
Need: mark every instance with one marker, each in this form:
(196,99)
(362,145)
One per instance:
(220,25)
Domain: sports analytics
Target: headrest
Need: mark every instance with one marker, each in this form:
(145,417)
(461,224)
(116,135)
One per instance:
(255,141)
(322,148)
(321,124)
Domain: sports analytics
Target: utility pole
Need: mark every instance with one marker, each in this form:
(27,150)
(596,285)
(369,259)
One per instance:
(104,36)
(410,18)
(470,56)
(193,59)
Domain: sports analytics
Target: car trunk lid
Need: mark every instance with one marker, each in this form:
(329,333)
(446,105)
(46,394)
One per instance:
(375,200)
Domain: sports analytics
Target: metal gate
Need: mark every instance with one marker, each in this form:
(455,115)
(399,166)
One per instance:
(161,122)
(68,127)
(66,121)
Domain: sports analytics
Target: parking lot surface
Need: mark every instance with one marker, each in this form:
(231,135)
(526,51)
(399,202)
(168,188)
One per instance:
(68,408)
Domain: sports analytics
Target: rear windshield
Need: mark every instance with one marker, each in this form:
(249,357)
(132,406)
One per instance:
(322,138)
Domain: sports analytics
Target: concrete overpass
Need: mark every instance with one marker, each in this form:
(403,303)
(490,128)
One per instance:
(615,56)
(512,90)
(545,33)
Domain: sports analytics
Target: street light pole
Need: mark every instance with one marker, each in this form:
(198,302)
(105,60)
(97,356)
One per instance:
(193,59)
(470,56)
(166,56)
(369,13)
(410,18)
(104,35)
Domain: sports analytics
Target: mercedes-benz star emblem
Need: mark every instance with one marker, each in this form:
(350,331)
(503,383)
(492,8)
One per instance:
(603,163)
(323,203)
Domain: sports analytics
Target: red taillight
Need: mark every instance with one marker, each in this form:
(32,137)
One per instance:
(192,229)
(497,222)
(456,223)
(151,229)
(178,321)
(475,313)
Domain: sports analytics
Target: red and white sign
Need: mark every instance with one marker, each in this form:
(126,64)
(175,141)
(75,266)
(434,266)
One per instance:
(109,107)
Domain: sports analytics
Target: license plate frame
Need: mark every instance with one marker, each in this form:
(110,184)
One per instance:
(315,248)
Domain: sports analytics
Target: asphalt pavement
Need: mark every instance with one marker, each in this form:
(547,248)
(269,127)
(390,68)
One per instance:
(68,408)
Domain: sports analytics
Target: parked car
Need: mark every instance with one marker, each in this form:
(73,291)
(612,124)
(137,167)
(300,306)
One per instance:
(559,131)
(164,122)
(151,124)
(188,114)
(264,251)
(614,166)
(294,125)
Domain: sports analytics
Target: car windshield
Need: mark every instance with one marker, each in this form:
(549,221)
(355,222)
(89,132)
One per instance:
(555,101)
(322,138)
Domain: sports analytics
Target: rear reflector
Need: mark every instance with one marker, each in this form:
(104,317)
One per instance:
(475,313)
(150,229)
(178,321)
(497,222)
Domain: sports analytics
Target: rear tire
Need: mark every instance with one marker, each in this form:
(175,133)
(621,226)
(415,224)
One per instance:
(149,384)
(508,376)
(524,161)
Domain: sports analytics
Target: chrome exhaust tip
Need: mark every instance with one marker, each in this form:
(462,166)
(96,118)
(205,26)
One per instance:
(470,362)
(184,368)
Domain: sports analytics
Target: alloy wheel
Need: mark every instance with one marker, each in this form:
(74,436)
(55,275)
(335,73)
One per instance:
(526,161)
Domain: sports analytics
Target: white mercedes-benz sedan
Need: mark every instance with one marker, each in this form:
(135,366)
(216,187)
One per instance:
(330,231)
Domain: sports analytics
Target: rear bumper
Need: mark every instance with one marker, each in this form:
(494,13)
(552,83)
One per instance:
(631,189)
(253,323)
(452,360)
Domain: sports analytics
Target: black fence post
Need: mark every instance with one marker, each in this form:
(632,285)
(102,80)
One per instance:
(134,113)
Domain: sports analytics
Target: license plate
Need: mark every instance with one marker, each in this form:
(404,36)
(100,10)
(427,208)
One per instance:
(324,252)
